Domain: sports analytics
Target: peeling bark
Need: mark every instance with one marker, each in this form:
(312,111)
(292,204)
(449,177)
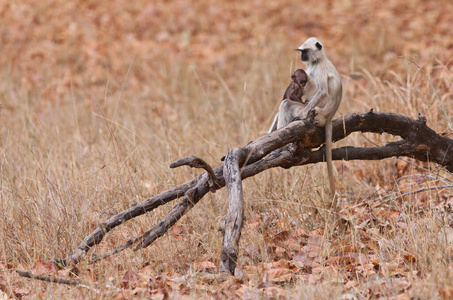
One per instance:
(235,215)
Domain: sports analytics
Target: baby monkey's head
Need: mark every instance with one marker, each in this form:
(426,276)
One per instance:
(300,78)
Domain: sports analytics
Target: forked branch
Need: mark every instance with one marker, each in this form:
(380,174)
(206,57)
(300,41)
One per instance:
(287,147)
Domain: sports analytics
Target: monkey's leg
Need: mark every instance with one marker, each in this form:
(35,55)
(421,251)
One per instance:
(274,124)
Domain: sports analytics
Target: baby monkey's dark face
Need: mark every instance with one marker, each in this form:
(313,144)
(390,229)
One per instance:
(300,78)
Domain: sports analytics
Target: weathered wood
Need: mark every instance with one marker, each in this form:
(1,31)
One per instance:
(124,246)
(190,199)
(135,210)
(235,214)
(259,149)
(419,142)
(196,162)
(48,278)
(426,144)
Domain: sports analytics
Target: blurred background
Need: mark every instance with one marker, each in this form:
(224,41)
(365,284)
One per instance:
(99,97)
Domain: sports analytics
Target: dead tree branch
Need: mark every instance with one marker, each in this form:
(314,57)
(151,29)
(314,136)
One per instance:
(277,150)
(48,278)
(235,215)
(196,162)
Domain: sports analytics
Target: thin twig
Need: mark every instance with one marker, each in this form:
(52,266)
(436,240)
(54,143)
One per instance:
(420,190)
(60,280)
(124,246)
(423,175)
(48,278)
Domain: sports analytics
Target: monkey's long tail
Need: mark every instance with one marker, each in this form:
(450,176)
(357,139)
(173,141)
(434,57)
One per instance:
(329,159)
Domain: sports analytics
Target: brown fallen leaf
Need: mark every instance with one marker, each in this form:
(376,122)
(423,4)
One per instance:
(278,275)
(230,282)
(205,266)
(124,294)
(340,260)
(317,232)
(44,267)
(159,294)
(446,292)
(280,252)
(401,285)
(3,284)
(243,291)
(275,292)
(301,232)
(21,292)
(282,263)
(91,275)
(350,284)
(129,279)
(159,282)
(253,252)
(404,296)
(281,236)
(292,244)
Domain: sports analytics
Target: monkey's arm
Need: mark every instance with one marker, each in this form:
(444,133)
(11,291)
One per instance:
(322,91)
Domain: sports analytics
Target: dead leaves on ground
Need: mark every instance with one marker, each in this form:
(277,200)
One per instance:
(360,261)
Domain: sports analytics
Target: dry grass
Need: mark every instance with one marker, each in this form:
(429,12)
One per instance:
(98,98)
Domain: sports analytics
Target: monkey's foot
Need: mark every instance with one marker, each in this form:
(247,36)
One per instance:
(312,116)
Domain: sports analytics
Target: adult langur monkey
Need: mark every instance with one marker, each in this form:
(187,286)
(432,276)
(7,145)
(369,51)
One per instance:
(323,92)
(328,94)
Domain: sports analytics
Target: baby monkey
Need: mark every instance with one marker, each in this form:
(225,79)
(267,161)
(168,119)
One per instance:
(292,97)
(295,90)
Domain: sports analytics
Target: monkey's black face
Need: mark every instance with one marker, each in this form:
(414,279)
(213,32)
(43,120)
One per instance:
(304,54)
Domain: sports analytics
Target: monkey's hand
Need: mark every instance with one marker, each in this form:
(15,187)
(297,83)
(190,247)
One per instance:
(296,119)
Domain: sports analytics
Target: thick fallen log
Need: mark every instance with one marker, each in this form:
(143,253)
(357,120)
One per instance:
(287,147)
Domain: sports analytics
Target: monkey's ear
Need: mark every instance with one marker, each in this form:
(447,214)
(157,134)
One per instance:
(318,45)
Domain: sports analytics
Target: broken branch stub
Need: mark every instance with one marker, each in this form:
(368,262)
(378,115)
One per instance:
(196,162)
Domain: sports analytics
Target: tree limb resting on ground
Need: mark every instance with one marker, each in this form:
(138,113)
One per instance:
(287,147)
(48,278)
